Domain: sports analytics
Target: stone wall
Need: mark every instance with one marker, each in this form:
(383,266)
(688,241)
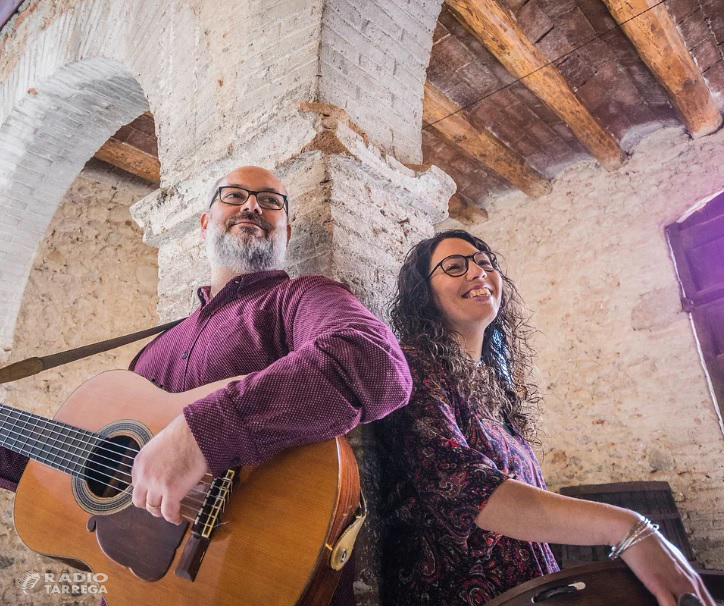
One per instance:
(372,60)
(625,392)
(93,278)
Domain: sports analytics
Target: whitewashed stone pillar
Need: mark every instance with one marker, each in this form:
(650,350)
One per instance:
(355,211)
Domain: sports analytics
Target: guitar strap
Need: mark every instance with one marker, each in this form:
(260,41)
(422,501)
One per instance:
(32,366)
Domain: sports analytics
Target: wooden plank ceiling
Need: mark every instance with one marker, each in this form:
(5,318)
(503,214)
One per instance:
(518,90)
(557,81)
(134,149)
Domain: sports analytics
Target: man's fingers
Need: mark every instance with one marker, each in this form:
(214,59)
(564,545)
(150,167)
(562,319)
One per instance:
(171,510)
(139,497)
(153,504)
(154,511)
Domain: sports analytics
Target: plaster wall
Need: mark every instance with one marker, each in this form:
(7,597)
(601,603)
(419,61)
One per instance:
(626,397)
(93,278)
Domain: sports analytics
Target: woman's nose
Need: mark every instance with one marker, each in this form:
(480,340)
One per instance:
(475,270)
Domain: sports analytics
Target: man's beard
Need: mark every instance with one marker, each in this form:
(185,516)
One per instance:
(245,251)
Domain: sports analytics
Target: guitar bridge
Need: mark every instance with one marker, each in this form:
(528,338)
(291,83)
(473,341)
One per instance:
(207,519)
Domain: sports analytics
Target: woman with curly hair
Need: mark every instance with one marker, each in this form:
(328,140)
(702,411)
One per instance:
(468,514)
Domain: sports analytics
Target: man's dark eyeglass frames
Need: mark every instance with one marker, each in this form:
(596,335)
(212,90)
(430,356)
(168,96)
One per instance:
(235,195)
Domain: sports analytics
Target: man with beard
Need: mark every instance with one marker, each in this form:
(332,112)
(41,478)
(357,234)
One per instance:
(316,362)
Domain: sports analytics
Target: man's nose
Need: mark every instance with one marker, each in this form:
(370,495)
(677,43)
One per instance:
(251,204)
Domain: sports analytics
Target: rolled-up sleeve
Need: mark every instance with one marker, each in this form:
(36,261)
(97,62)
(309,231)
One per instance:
(451,480)
(344,367)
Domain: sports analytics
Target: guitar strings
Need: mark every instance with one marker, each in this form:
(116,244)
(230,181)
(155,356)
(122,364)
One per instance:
(54,424)
(190,499)
(36,430)
(62,458)
(82,438)
(186,503)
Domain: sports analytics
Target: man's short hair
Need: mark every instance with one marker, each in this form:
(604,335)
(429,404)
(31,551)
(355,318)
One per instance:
(214,190)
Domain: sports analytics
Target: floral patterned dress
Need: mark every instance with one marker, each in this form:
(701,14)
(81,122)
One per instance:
(442,460)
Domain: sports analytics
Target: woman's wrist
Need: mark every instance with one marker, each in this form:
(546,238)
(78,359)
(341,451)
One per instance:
(640,531)
(620,525)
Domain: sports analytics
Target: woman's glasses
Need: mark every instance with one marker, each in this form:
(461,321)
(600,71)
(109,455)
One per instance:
(457,265)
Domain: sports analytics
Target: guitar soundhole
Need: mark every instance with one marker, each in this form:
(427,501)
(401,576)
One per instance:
(108,472)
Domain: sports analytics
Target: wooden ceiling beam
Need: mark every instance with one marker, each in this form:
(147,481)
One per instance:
(463,210)
(131,159)
(445,116)
(653,32)
(496,28)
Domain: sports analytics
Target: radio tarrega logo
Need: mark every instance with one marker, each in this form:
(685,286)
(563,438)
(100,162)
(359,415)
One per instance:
(29,580)
(68,583)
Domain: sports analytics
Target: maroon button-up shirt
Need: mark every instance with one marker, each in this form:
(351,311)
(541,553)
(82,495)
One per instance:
(316,362)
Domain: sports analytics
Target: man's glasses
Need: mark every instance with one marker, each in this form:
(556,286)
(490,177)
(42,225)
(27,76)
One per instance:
(234,195)
(457,265)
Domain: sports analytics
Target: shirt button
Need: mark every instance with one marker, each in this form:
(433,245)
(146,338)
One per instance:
(184,355)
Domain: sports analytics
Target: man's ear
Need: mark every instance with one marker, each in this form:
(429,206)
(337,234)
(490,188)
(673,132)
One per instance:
(289,232)
(204,223)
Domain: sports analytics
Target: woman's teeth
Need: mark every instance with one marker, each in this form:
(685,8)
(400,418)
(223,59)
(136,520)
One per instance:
(478,292)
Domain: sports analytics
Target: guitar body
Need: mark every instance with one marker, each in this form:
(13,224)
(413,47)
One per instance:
(269,549)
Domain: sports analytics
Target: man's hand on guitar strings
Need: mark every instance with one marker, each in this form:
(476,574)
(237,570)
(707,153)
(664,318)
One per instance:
(166,469)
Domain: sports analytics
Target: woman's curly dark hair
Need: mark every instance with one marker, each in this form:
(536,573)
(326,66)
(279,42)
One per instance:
(500,382)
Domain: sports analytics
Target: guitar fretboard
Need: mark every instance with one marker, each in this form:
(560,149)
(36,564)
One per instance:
(55,444)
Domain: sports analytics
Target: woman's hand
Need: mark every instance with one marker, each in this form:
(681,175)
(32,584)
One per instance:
(664,571)
(527,513)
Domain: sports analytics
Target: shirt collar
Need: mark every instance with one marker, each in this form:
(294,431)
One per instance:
(239,284)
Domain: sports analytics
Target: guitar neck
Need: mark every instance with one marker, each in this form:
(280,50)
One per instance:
(60,446)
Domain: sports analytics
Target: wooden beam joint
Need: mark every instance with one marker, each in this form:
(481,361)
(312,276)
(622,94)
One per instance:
(653,32)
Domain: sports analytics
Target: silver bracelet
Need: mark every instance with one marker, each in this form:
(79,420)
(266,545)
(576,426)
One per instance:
(643,529)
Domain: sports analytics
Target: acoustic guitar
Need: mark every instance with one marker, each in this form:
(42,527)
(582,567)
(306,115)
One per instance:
(268,535)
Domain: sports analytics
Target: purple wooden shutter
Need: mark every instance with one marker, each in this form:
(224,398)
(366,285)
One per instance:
(698,248)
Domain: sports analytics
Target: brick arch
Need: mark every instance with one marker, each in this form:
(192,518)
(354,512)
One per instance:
(71,76)
(46,140)
(153,42)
